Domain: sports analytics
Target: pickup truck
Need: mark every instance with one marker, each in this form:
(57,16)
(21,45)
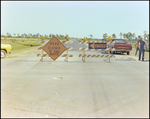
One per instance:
(5,48)
(121,46)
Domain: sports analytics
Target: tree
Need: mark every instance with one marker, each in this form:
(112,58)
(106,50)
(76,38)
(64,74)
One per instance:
(57,36)
(7,34)
(113,35)
(145,35)
(25,35)
(53,35)
(136,38)
(50,36)
(129,35)
(62,36)
(124,35)
(34,36)
(139,37)
(22,35)
(120,34)
(37,35)
(45,36)
(18,35)
(133,35)
(14,34)
(91,35)
(105,35)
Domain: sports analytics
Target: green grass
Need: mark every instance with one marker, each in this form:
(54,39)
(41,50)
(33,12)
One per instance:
(146,50)
(20,43)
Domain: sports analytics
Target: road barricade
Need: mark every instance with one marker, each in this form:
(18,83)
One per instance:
(43,42)
(100,46)
(107,56)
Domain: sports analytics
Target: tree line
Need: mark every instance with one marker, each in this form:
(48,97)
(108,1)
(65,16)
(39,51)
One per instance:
(129,36)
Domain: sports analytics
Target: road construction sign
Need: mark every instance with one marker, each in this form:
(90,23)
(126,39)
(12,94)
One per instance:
(97,45)
(54,48)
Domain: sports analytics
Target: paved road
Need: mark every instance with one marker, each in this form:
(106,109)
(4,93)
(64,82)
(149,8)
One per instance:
(96,88)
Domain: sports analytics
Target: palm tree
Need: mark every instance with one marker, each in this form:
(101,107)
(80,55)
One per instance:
(105,35)
(120,34)
(62,36)
(133,35)
(113,35)
(50,36)
(91,35)
(37,35)
(14,34)
(7,34)
(18,35)
(25,35)
(145,34)
(139,37)
(129,35)
(45,36)
(22,35)
(53,35)
(57,35)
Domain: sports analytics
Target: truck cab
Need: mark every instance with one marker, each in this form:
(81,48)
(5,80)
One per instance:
(5,48)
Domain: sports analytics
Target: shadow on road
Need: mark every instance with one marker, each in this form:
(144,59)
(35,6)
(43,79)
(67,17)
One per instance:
(125,59)
(145,60)
(113,53)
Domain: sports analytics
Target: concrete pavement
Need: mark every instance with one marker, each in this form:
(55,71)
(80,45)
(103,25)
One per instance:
(96,88)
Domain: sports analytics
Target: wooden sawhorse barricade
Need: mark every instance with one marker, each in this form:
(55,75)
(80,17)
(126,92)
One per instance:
(107,56)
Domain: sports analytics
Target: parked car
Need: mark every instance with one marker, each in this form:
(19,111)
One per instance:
(5,48)
(121,46)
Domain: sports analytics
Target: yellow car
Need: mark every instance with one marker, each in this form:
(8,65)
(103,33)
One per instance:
(5,48)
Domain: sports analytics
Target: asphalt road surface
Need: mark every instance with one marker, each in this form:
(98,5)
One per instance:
(94,88)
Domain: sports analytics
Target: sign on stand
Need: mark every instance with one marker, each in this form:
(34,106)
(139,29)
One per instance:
(54,48)
(97,45)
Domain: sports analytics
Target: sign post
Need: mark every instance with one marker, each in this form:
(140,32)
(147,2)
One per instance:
(83,58)
(42,37)
(67,39)
(108,51)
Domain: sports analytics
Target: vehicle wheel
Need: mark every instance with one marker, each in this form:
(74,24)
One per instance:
(128,53)
(3,53)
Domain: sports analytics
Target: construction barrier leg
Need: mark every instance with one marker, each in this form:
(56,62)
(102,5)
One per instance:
(83,58)
(107,59)
(66,59)
(41,59)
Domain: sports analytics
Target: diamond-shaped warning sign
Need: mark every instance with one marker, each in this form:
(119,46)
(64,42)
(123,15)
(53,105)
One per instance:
(54,48)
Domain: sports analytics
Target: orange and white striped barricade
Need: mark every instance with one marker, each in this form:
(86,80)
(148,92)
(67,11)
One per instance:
(68,48)
(100,50)
(97,55)
(46,41)
(87,42)
(46,55)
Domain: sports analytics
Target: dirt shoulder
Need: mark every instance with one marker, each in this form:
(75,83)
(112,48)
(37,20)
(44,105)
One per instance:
(21,53)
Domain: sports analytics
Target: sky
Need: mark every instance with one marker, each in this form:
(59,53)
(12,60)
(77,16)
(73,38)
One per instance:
(76,18)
